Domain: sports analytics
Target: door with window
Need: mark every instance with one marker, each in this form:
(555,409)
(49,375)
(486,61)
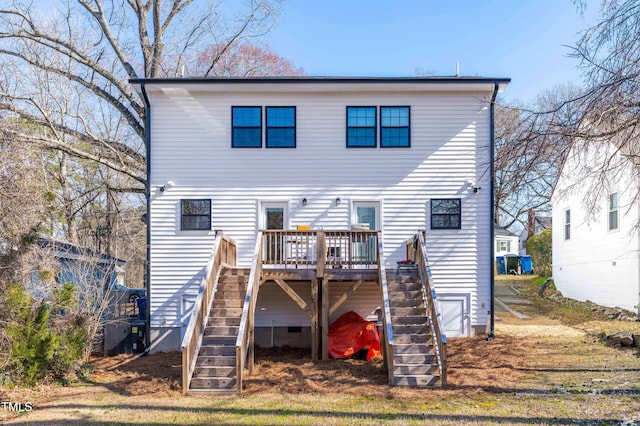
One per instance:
(274,216)
(366,214)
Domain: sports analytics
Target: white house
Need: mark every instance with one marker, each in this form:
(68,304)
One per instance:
(396,154)
(506,242)
(596,245)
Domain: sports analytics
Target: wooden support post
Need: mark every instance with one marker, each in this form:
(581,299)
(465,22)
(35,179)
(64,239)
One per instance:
(325,318)
(322,254)
(315,337)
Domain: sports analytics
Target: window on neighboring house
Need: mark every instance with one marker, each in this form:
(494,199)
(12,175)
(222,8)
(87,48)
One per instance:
(446,213)
(394,126)
(246,123)
(281,127)
(361,127)
(195,215)
(567,224)
(613,211)
(505,246)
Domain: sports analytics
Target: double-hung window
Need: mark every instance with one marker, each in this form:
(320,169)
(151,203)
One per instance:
(394,126)
(567,224)
(613,211)
(195,215)
(246,123)
(446,213)
(361,127)
(281,127)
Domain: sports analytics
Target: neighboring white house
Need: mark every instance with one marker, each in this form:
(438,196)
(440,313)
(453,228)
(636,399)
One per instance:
(240,155)
(506,242)
(596,245)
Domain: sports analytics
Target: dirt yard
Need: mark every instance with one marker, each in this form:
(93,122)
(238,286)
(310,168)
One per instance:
(536,371)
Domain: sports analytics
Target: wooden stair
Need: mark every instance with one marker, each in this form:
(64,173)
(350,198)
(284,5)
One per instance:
(215,369)
(414,354)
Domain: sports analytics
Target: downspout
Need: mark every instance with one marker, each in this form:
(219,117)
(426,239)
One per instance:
(491,210)
(147,192)
(638,260)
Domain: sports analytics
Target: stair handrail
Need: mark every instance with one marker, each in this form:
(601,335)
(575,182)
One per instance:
(386,312)
(222,253)
(245,340)
(417,250)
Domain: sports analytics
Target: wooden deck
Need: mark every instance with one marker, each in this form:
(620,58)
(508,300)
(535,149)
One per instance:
(319,258)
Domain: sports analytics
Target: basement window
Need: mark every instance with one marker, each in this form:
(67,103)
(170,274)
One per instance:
(446,213)
(195,215)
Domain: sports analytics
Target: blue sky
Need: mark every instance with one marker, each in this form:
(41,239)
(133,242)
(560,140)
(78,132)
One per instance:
(521,39)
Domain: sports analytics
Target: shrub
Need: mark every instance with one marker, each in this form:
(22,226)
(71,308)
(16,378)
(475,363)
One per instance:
(33,342)
(44,339)
(539,247)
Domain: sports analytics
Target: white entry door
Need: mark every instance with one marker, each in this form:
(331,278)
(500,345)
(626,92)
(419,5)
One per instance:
(366,212)
(274,215)
(454,311)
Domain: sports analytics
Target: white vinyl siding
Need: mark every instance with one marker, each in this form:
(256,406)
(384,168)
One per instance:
(191,145)
(595,263)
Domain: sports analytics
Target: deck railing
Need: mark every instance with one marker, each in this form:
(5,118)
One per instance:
(223,253)
(417,251)
(245,340)
(320,249)
(387,327)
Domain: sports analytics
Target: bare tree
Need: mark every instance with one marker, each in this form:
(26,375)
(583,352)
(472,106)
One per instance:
(529,153)
(244,59)
(94,47)
(23,203)
(606,111)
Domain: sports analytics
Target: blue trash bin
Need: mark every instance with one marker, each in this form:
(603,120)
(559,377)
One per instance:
(142,308)
(501,266)
(526,265)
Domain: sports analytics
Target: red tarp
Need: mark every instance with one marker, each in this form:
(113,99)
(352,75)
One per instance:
(350,333)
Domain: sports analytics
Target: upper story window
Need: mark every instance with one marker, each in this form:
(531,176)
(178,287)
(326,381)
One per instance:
(361,127)
(195,215)
(567,224)
(394,126)
(246,123)
(281,127)
(446,213)
(613,211)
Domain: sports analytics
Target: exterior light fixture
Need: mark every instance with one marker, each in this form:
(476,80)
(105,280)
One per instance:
(304,201)
(338,201)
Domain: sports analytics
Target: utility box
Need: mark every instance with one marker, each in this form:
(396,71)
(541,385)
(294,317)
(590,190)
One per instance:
(117,338)
(137,335)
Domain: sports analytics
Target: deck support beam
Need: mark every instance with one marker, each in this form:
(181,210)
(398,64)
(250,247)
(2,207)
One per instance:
(345,296)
